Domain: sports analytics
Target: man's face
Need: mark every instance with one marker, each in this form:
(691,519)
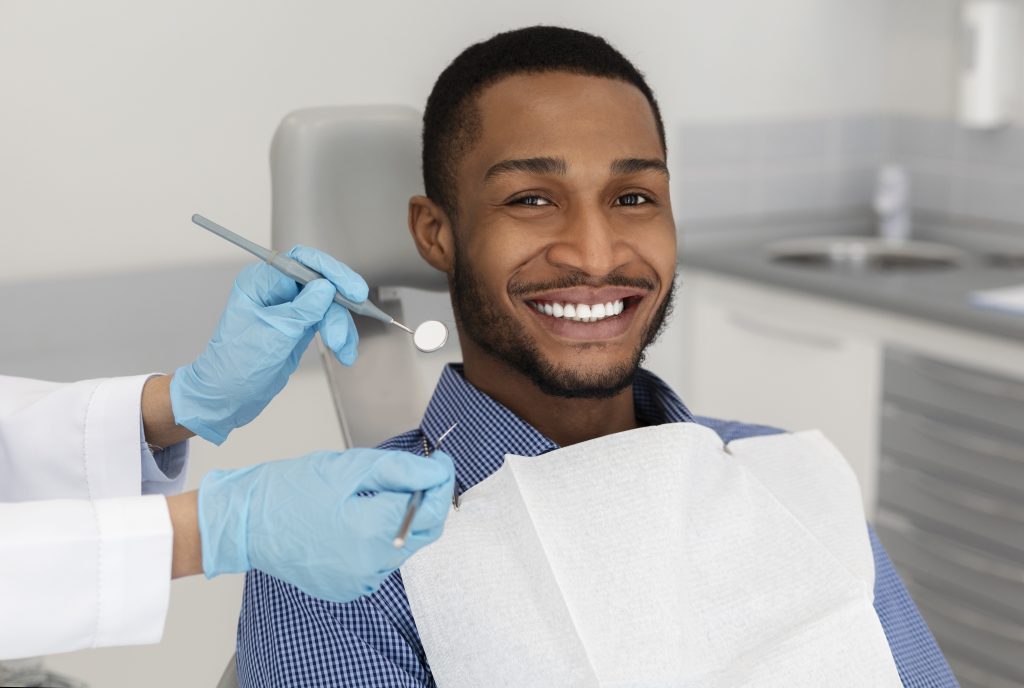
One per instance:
(563,213)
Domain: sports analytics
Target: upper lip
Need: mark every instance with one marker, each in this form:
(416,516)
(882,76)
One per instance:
(587,295)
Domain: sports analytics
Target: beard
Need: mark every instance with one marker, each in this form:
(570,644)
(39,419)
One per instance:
(501,336)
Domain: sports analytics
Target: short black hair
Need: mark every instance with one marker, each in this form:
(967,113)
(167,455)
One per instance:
(451,122)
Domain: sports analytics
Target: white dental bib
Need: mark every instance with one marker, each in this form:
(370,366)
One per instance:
(656,557)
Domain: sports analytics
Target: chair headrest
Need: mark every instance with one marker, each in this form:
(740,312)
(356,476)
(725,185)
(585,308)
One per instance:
(341,180)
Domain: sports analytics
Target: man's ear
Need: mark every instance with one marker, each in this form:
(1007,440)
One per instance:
(432,232)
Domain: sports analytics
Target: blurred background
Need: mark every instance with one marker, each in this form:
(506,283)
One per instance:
(798,132)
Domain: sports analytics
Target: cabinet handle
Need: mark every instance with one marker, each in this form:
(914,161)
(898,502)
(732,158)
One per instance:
(1009,390)
(950,552)
(776,332)
(935,430)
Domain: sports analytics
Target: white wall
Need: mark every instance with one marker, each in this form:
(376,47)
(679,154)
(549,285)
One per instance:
(119,119)
(922,49)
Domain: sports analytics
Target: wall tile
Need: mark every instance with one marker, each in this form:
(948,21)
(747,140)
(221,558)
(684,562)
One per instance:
(854,187)
(990,198)
(917,136)
(930,189)
(749,169)
(1002,148)
(707,197)
(789,191)
(708,145)
(863,137)
(786,141)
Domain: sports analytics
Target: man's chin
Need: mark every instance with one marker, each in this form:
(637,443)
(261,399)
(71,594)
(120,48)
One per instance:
(573,383)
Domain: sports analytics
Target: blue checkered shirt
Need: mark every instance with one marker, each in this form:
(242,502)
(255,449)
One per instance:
(287,638)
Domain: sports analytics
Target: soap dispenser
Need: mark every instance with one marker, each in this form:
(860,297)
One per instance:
(988,78)
(892,204)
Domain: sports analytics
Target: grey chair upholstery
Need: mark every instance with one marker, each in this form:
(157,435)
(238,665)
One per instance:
(341,181)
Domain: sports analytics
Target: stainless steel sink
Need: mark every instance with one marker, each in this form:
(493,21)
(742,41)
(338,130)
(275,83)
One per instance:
(866,253)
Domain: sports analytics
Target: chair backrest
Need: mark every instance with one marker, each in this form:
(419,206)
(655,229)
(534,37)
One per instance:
(342,178)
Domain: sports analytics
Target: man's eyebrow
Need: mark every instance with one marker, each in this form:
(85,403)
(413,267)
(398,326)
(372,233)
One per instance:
(631,165)
(528,165)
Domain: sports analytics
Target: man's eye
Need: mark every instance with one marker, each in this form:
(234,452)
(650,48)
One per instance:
(632,199)
(531,200)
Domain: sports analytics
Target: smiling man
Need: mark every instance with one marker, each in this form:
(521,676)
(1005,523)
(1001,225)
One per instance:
(560,244)
(547,206)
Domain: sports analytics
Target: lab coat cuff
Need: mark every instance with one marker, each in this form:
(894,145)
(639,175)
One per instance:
(134,581)
(111,437)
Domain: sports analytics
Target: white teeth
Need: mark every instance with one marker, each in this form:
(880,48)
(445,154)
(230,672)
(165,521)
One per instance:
(580,312)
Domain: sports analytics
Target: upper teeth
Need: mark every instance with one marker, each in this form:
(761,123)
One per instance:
(580,312)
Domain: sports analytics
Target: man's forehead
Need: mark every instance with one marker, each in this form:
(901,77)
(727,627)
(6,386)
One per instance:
(553,113)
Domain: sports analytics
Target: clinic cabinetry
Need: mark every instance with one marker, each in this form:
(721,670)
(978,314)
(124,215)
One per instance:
(931,418)
(765,354)
(762,356)
(951,508)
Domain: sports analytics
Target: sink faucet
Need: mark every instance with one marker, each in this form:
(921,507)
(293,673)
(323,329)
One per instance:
(892,204)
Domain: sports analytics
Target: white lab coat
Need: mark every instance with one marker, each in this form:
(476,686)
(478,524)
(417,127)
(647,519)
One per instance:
(85,557)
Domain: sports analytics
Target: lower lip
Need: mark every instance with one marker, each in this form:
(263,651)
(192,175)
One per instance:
(602,330)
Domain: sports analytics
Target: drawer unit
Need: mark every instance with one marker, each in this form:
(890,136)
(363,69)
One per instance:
(985,460)
(993,646)
(951,509)
(955,391)
(973,517)
(985,580)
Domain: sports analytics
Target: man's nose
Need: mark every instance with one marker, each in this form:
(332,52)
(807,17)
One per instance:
(589,242)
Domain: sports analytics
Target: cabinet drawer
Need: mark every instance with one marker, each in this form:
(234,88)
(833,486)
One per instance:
(995,646)
(979,520)
(970,675)
(981,580)
(990,399)
(987,460)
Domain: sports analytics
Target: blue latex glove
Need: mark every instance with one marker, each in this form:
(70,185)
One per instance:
(266,326)
(304,521)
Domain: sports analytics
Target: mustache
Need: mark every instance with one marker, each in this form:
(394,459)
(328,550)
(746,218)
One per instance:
(580,279)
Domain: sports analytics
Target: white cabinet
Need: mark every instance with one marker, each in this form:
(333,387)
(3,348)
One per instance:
(761,354)
(756,356)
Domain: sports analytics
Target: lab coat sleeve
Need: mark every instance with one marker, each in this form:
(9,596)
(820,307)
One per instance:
(77,574)
(85,559)
(74,441)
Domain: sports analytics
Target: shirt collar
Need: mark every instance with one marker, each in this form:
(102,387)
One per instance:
(487,430)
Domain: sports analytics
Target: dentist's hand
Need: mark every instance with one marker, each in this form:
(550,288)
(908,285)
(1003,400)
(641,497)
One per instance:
(306,522)
(265,328)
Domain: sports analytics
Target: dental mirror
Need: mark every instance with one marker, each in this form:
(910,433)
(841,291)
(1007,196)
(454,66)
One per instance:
(430,336)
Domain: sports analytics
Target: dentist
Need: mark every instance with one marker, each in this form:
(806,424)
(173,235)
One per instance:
(92,525)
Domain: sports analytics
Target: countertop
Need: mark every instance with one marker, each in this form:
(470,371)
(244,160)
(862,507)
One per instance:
(941,295)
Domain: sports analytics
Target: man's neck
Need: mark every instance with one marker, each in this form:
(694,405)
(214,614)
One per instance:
(564,421)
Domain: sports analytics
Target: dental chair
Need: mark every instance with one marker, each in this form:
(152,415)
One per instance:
(341,180)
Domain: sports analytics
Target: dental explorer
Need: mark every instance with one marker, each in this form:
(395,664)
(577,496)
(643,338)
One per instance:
(429,336)
(417,497)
